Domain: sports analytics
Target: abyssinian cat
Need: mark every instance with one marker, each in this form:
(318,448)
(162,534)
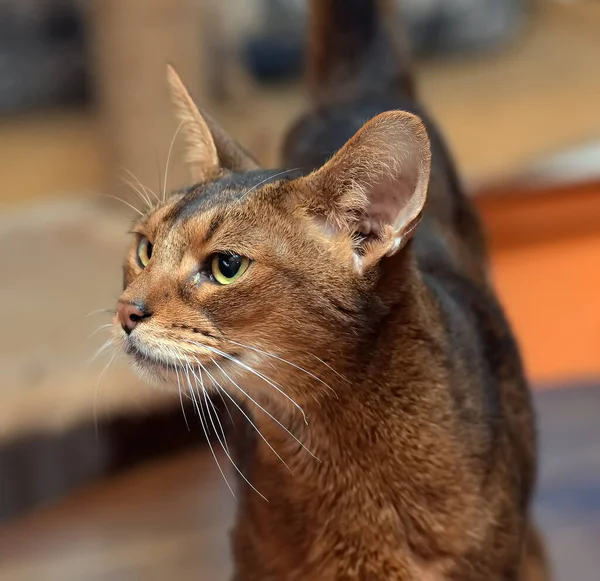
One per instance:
(344,308)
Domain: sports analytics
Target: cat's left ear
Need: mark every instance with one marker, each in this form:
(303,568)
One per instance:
(210,149)
(375,186)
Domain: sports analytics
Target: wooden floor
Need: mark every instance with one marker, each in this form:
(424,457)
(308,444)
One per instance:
(170,521)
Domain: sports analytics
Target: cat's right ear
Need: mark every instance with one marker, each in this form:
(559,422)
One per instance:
(210,149)
(374,187)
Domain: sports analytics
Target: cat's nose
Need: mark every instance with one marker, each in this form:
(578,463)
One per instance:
(130,314)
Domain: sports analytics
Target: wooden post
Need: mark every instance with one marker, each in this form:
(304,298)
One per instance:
(133,42)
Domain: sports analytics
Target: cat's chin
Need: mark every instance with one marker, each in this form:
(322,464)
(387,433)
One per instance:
(150,369)
(157,368)
(234,373)
(144,359)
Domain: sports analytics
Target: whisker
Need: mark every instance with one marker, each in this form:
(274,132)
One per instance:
(267,380)
(145,188)
(257,373)
(100,328)
(207,402)
(232,461)
(207,436)
(200,409)
(159,175)
(243,412)
(124,202)
(169,159)
(223,444)
(284,361)
(96,388)
(200,384)
(245,194)
(331,368)
(101,350)
(98,311)
(180,395)
(139,192)
(197,403)
(219,391)
(227,356)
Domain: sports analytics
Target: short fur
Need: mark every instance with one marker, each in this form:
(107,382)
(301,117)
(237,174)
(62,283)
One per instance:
(365,325)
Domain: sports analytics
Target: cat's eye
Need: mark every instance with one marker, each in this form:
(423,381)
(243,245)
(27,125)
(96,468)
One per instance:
(227,268)
(144,251)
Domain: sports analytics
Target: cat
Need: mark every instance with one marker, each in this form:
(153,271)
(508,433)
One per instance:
(344,309)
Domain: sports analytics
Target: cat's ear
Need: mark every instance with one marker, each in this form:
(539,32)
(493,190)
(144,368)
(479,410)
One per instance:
(209,148)
(375,186)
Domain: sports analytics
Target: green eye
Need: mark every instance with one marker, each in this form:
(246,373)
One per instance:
(227,268)
(144,252)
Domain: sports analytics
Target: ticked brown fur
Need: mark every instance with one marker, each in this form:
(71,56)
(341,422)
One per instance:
(385,428)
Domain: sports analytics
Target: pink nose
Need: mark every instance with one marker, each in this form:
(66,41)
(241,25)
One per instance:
(130,314)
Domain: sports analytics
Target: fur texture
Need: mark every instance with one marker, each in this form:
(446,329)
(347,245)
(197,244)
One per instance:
(385,429)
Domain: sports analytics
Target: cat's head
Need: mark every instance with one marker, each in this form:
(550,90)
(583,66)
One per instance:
(250,275)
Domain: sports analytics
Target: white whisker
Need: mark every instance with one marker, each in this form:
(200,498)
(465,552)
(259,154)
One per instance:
(197,402)
(98,311)
(98,381)
(139,192)
(100,328)
(207,401)
(169,159)
(230,358)
(254,372)
(223,444)
(159,176)
(233,462)
(257,350)
(101,350)
(266,379)
(124,202)
(145,188)
(216,412)
(269,178)
(331,368)
(180,394)
(242,411)
(220,392)
(200,385)
(207,436)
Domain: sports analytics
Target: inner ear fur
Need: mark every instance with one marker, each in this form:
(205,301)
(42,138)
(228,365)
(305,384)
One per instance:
(375,186)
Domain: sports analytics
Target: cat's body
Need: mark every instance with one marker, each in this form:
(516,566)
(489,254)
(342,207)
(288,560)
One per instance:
(428,457)
(418,417)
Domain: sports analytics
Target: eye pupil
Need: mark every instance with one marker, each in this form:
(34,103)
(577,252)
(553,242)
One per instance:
(226,268)
(144,252)
(229,264)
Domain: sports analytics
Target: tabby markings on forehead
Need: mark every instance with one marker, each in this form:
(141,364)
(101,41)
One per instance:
(228,189)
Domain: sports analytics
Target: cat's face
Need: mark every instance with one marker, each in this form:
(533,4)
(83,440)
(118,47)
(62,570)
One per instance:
(260,276)
(232,276)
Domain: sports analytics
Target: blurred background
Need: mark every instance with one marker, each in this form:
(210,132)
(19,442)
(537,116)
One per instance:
(99,477)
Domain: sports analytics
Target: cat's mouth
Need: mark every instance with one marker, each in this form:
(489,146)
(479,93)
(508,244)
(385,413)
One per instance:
(165,362)
(146,359)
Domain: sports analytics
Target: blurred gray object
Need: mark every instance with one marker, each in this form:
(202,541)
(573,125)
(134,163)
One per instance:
(459,26)
(42,55)
(435,28)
